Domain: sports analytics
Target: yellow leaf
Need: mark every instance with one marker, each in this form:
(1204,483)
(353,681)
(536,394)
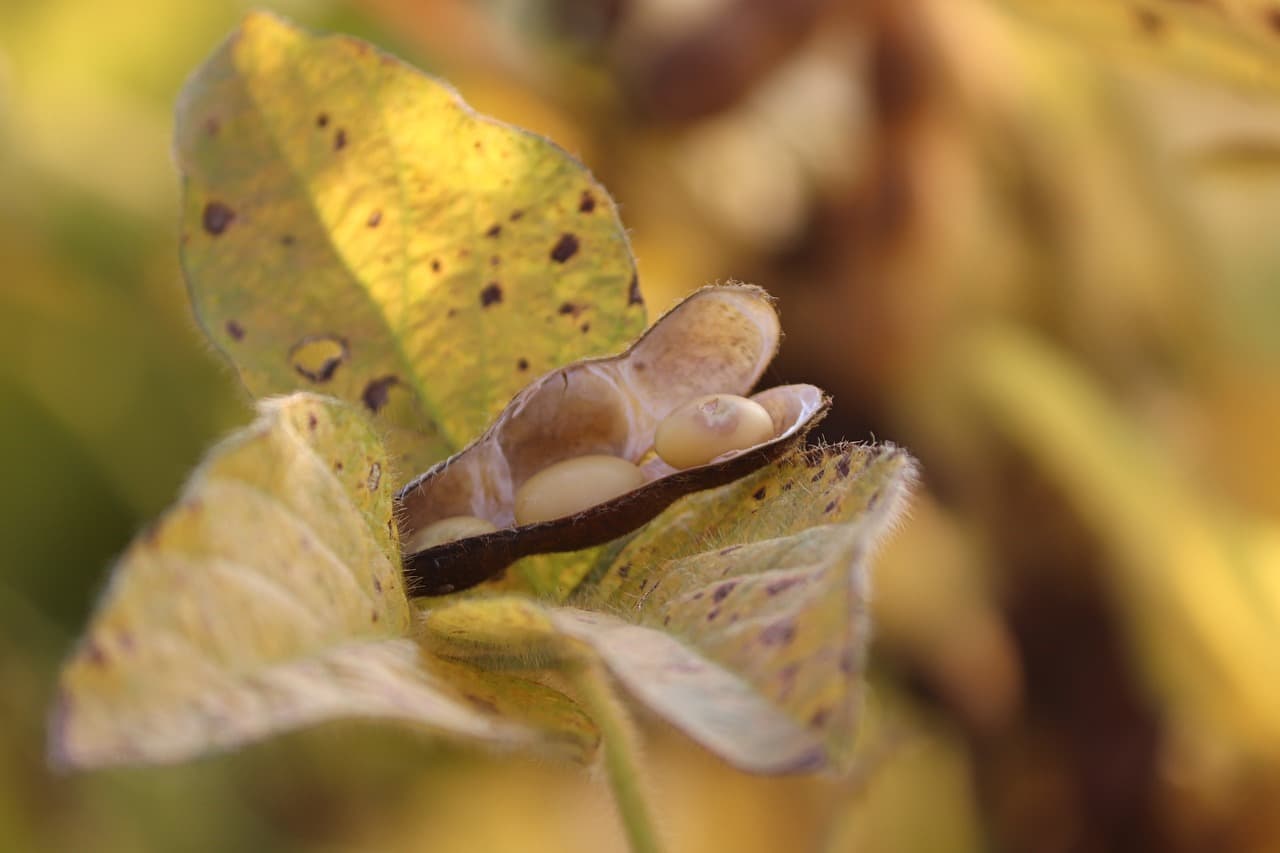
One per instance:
(1236,41)
(352,226)
(739,614)
(270,596)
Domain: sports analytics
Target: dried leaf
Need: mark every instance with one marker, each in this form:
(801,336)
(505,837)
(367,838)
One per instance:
(351,226)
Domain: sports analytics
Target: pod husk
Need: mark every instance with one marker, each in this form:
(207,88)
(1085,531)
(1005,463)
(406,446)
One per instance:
(718,340)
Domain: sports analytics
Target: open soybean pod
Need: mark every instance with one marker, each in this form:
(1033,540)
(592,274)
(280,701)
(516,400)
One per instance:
(717,341)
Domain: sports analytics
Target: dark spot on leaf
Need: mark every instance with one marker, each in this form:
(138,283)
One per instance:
(712,614)
(781,585)
(375,219)
(516,215)
(588,202)
(375,476)
(451,313)
(377,584)
(829,507)
(435,265)
(464,253)
(633,295)
(95,655)
(759,493)
(311,421)
(522,364)
(235,330)
(787,679)
(1273,19)
(492,293)
(322,120)
(565,248)
(376,392)
(481,703)
(374,615)
(1149,22)
(624,570)
(842,467)
(722,591)
(217,217)
(585,327)
(778,634)
(337,465)
(569,308)
(286,240)
(494,230)
(317,357)
(848,662)
(787,486)
(340,140)
(820,717)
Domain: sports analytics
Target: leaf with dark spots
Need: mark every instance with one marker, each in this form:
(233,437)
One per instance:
(375,393)
(565,248)
(291,93)
(217,217)
(269,649)
(491,295)
(1235,43)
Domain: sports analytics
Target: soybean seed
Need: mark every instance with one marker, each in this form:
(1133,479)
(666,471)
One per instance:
(447,530)
(569,487)
(706,427)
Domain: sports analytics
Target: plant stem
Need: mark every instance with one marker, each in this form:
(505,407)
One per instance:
(621,756)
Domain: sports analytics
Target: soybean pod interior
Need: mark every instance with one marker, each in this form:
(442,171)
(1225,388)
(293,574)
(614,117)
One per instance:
(717,341)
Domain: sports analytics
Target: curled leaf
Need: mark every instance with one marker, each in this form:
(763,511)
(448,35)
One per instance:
(270,596)
(739,614)
(351,226)
(718,340)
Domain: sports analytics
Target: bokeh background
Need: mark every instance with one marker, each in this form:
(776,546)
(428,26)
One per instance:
(1042,255)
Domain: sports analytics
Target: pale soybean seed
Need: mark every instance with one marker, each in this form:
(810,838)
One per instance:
(703,428)
(569,487)
(447,530)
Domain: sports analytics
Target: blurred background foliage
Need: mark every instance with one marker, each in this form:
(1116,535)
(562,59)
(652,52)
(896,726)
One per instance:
(1034,242)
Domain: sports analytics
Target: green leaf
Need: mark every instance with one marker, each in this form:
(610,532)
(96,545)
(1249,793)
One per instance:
(1235,42)
(270,596)
(738,614)
(351,226)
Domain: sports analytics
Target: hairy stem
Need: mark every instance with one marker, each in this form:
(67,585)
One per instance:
(621,756)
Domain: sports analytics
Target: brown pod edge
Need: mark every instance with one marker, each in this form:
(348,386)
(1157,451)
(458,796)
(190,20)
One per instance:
(718,340)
